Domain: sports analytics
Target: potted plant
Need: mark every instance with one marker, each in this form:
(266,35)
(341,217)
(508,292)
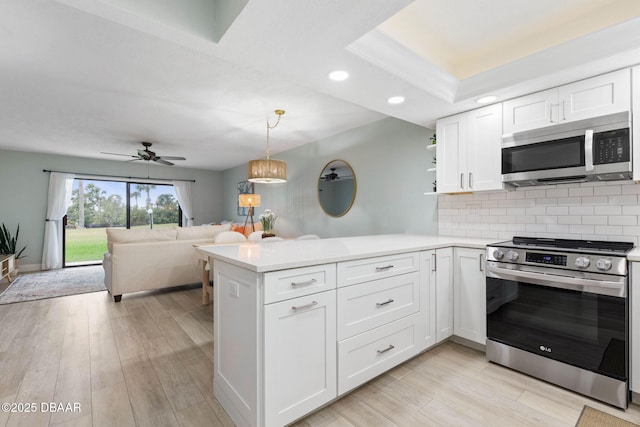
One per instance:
(268,220)
(9,245)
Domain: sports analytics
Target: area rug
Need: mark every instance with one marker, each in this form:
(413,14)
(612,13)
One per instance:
(54,283)
(594,418)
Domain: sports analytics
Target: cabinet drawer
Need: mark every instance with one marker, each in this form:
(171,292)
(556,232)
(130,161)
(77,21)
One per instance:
(368,355)
(363,270)
(369,305)
(297,282)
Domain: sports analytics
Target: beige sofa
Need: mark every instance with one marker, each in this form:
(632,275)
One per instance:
(141,260)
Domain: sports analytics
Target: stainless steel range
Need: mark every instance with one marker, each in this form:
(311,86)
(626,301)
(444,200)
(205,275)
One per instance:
(557,309)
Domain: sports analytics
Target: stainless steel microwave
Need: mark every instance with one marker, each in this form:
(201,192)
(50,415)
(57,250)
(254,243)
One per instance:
(596,149)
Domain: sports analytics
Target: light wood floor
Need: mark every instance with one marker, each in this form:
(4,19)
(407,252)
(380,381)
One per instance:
(148,362)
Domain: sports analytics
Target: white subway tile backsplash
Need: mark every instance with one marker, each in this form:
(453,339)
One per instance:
(607,190)
(581,229)
(596,210)
(608,229)
(623,220)
(535,194)
(516,211)
(631,210)
(629,199)
(631,189)
(546,219)
(596,200)
(607,210)
(581,191)
(595,219)
(557,210)
(537,210)
(570,219)
(557,192)
(581,210)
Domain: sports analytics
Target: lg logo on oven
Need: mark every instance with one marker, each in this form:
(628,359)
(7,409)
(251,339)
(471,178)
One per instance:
(547,349)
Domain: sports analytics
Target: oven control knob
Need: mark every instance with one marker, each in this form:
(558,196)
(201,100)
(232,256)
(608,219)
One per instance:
(498,254)
(512,256)
(603,264)
(582,262)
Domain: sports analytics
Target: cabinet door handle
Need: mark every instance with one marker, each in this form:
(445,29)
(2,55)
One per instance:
(391,347)
(434,260)
(588,150)
(308,282)
(551,113)
(481,262)
(564,116)
(470,179)
(380,304)
(461,180)
(386,267)
(300,307)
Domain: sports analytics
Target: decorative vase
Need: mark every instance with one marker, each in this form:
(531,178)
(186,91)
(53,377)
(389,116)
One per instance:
(268,234)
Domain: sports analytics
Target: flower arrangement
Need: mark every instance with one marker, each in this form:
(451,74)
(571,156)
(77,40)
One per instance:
(268,220)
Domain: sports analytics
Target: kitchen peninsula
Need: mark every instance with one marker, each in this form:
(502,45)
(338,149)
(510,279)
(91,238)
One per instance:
(299,323)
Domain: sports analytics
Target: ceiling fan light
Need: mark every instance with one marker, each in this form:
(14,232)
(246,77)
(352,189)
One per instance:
(267,171)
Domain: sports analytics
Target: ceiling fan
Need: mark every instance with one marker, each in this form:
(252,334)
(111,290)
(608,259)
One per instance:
(330,176)
(148,155)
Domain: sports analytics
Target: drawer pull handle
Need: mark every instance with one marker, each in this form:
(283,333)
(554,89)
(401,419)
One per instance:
(386,267)
(308,282)
(300,307)
(380,304)
(391,347)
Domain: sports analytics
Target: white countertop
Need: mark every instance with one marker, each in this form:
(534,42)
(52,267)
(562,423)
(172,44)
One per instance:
(271,256)
(634,255)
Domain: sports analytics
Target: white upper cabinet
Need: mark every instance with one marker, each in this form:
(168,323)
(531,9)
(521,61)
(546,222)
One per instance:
(606,94)
(484,159)
(468,151)
(529,112)
(636,119)
(597,96)
(452,139)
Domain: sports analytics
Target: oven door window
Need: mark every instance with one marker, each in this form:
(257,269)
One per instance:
(558,154)
(583,329)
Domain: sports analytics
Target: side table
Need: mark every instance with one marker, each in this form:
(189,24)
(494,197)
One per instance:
(7,265)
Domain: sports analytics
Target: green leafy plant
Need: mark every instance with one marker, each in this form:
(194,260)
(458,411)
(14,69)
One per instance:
(8,243)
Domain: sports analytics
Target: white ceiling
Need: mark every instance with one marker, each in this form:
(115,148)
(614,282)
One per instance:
(201,78)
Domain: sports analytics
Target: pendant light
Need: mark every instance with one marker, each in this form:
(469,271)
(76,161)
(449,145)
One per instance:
(268,171)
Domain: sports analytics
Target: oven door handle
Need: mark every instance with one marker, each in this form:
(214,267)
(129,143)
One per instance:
(604,287)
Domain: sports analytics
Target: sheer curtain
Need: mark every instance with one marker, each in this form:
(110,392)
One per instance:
(183,191)
(60,188)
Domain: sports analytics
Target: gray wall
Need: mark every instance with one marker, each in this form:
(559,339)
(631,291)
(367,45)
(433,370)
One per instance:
(390,160)
(23,193)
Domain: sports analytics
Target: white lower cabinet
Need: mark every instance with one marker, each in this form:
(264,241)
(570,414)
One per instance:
(289,341)
(367,355)
(469,295)
(299,356)
(427,298)
(444,293)
(379,320)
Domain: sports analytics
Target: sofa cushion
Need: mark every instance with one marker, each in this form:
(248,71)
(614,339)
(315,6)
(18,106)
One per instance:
(201,232)
(122,235)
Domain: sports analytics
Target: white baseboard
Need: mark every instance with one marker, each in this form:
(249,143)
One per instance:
(28,268)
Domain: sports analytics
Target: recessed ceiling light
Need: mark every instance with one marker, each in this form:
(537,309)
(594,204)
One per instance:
(486,99)
(396,100)
(338,75)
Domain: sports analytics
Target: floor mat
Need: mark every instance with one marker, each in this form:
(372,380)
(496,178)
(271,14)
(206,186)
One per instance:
(54,283)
